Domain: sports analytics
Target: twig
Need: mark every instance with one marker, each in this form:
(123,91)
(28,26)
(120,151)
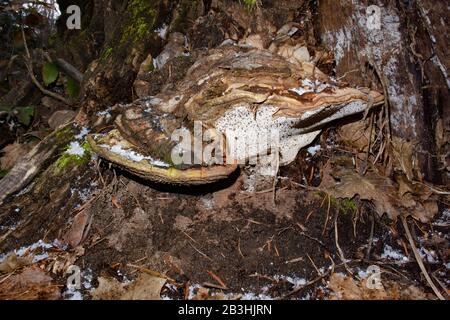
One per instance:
(369,246)
(69,70)
(239,248)
(419,260)
(314,265)
(29,65)
(328,215)
(201,253)
(150,272)
(217,279)
(315,239)
(336,239)
(214,286)
(310,283)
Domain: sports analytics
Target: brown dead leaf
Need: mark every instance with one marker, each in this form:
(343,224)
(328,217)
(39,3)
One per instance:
(59,261)
(31,284)
(115,202)
(13,262)
(145,287)
(12,153)
(204,294)
(355,135)
(404,157)
(342,181)
(347,288)
(77,230)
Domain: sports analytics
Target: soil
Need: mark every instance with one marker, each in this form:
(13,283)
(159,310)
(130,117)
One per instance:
(252,244)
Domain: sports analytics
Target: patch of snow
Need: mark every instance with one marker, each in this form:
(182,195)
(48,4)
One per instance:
(390,253)
(429,255)
(296,281)
(228,42)
(28,250)
(253,296)
(83,133)
(313,149)
(72,294)
(362,274)
(87,279)
(134,156)
(75,149)
(444,219)
(208,203)
(192,291)
(106,113)
(162,31)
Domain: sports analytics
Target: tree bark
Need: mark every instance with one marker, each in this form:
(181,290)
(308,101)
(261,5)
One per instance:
(408,52)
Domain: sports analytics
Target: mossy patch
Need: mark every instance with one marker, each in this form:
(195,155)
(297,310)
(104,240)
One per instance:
(346,206)
(64,134)
(250,4)
(143,15)
(106,54)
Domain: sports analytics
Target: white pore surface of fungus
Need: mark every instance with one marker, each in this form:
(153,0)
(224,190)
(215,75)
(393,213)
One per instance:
(249,135)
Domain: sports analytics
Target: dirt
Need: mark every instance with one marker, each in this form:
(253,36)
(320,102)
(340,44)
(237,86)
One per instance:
(240,236)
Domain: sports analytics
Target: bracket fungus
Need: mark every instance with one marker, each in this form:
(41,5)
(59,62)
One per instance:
(229,103)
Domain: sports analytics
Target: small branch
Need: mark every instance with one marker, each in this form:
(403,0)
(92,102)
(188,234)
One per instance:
(69,70)
(369,245)
(43,90)
(339,249)
(29,65)
(419,260)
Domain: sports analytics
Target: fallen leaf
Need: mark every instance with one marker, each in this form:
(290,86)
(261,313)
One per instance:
(61,117)
(145,287)
(115,202)
(13,262)
(347,288)
(342,181)
(404,157)
(12,154)
(77,230)
(31,284)
(356,135)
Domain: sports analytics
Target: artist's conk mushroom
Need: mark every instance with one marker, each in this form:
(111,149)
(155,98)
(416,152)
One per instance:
(242,100)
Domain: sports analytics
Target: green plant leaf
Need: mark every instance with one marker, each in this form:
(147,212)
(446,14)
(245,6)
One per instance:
(72,88)
(49,73)
(25,114)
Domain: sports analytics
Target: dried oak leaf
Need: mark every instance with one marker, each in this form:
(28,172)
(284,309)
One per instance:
(356,135)
(75,234)
(347,288)
(145,287)
(31,284)
(342,181)
(13,262)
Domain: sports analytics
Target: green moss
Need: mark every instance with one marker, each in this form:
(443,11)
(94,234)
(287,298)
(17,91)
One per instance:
(142,19)
(346,206)
(64,134)
(69,160)
(150,67)
(250,4)
(106,54)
